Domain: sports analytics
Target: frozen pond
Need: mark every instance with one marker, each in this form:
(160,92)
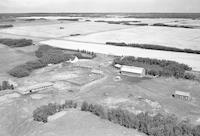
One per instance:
(192,60)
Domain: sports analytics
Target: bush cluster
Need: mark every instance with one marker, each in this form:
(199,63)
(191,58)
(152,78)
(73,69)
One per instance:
(42,113)
(159,67)
(79,53)
(47,55)
(65,19)
(166,25)
(90,55)
(16,42)
(5,26)
(5,85)
(157,125)
(154,47)
(25,69)
(53,56)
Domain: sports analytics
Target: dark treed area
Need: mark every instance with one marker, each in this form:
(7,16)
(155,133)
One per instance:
(48,55)
(156,125)
(6,85)
(5,26)
(16,42)
(42,113)
(155,47)
(166,25)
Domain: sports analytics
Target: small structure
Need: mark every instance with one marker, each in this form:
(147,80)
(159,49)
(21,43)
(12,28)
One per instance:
(182,95)
(118,65)
(62,27)
(117,78)
(36,88)
(132,71)
(74,60)
(96,71)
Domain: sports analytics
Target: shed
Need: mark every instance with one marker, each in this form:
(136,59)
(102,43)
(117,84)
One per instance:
(36,87)
(182,95)
(132,71)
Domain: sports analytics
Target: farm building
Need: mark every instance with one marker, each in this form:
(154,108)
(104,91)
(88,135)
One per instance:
(182,95)
(132,71)
(35,88)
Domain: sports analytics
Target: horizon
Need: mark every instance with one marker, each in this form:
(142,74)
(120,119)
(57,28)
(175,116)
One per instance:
(100,6)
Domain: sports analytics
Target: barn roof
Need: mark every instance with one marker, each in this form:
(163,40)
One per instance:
(132,69)
(182,93)
(39,85)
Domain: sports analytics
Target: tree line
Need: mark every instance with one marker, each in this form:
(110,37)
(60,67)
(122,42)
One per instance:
(152,125)
(5,26)
(42,113)
(6,85)
(170,25)
(154,47)
(16,42)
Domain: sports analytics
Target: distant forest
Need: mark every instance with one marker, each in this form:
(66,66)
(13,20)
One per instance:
(126,15)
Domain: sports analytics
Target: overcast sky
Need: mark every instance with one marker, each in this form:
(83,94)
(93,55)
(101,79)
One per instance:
(99,6)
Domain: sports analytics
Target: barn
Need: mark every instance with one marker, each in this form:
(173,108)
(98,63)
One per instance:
(132,71)
(182,95)
(36,87)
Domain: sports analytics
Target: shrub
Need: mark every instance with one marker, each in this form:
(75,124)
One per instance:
(55,56)
(35,64)
(25,69)
(19,71)
(42,113)
(189,76)
(5,85)
(16,42)
(5,26)
(42,50)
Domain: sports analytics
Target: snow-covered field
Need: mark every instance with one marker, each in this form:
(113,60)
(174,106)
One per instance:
(173,37)
(54,31)
(192,60)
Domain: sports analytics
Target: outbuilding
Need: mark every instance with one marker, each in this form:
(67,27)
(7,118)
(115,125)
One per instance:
(132,71)
(36,87)
(182,95)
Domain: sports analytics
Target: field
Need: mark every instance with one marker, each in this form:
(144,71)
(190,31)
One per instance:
(172,37)
(10,57)
(192,60)
(95,80)
(54,31)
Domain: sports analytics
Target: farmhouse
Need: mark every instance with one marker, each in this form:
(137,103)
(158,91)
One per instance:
(132,71)
(35,88)
(182,95)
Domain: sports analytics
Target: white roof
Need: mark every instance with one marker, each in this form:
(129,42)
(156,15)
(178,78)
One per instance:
(118,65)
(182,93)
(132,69)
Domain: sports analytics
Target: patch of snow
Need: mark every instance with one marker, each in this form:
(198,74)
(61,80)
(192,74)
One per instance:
(56,116)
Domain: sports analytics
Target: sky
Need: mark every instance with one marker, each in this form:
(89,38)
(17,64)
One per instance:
(17,6)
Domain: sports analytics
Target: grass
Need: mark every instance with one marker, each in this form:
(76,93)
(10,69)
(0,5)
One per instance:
(11,57)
